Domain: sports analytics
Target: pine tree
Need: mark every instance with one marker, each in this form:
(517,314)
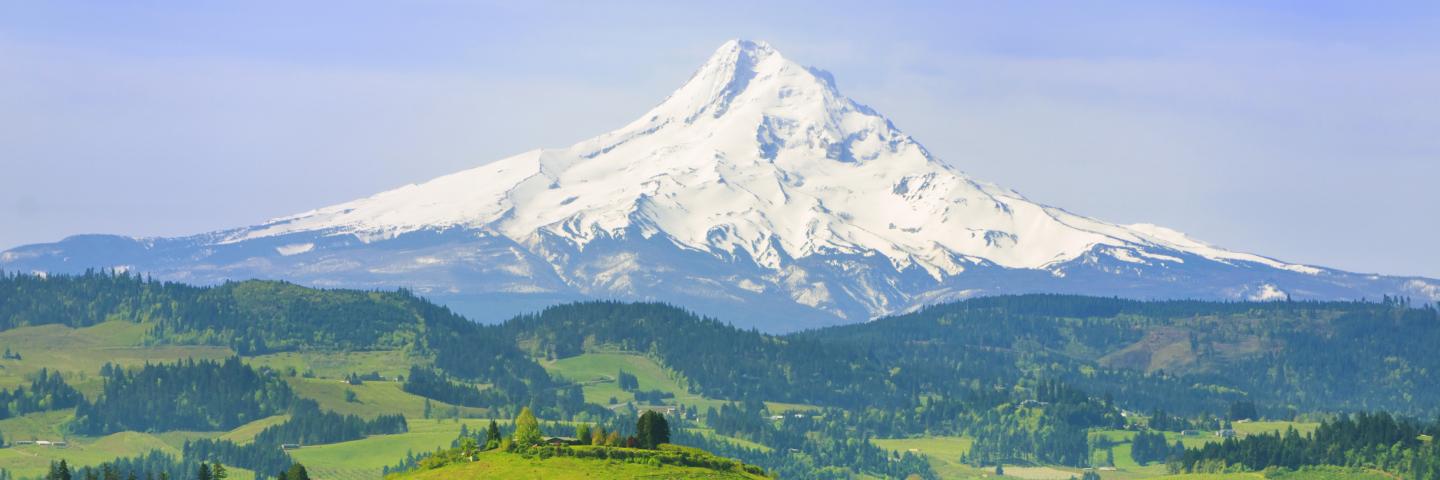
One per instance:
(652,430)
(492,436)
(296,472)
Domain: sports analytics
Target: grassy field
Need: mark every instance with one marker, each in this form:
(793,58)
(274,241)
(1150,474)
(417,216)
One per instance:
(177,438)
(388,363)
(246,433)
(506,465)
(596,372)
(34,460)
(1042,473)
(942,452)
(79,353)
(364,458)
(372,398)
(1125,465)
(1331,473)
(781,407)
(1309,473)
(740,442)
(36,426)
(1251,428)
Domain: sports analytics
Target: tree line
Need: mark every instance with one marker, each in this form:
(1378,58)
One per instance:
(48,391)
(188,395)
(1365,440)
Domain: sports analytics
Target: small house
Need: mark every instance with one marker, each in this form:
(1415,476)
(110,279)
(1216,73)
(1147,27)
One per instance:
(1225,433)
(561,441)
(289,446)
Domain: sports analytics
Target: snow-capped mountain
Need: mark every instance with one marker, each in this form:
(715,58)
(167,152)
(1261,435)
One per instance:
(756,192)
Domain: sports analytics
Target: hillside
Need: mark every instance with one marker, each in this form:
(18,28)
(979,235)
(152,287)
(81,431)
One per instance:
(1031,381)
(626,464)
(272,319)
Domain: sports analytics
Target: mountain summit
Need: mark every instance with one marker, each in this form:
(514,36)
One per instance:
(756,192)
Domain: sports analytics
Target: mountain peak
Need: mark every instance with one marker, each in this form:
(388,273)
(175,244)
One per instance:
(756,179)
(736,69)
(741,44)
(737,55)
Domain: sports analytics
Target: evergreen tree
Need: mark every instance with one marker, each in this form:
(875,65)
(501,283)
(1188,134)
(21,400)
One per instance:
(651,430)
(627,381)
(295,472)
(492,436)
(1243,410)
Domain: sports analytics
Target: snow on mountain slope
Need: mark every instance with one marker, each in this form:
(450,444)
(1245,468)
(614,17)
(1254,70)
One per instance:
(754,154)
(756,183)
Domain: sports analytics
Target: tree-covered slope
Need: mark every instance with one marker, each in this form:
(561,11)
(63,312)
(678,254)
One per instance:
(1027,379)
(717,359)
(1188,356)
(258,317)
(1302,355)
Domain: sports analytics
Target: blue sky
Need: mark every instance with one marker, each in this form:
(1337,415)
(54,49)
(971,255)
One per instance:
(1304,131)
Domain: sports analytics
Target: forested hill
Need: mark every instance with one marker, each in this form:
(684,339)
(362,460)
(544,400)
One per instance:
(1184,356)
(716,359)
(1028,379)
(256,317)
(1302,355)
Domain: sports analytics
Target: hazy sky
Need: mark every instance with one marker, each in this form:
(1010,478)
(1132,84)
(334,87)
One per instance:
(1305,131)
